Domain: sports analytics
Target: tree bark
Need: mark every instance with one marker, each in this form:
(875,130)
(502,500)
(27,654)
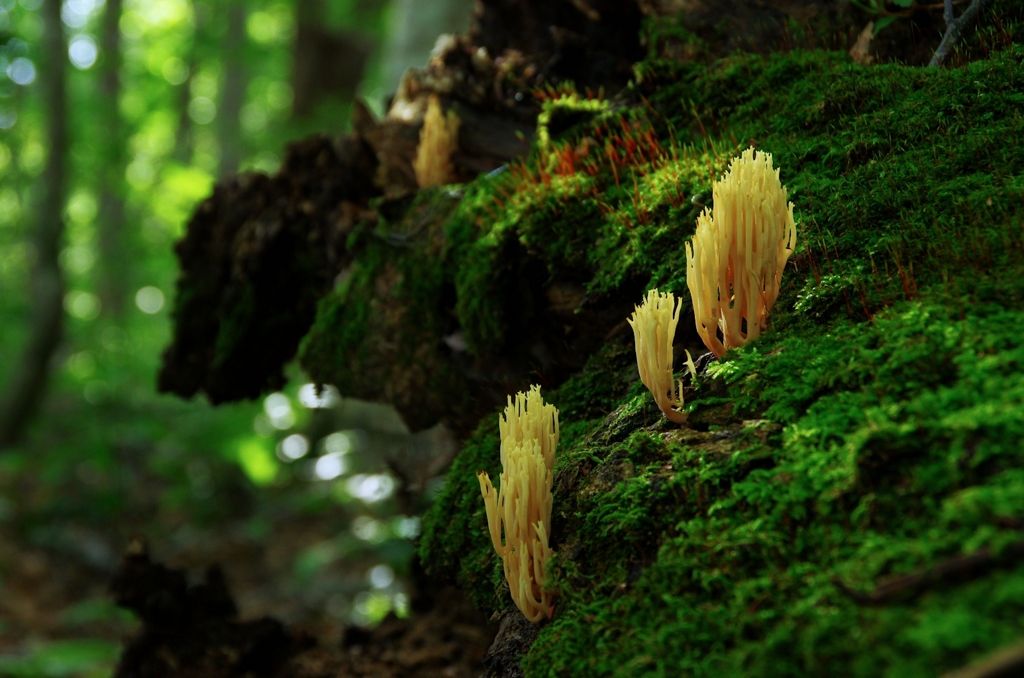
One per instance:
(114,270)
(28,384)
(233,92)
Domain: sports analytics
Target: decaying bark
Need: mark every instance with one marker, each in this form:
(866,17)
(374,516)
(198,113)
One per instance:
(515,636)
(192,629)
(258,255)
(262,250)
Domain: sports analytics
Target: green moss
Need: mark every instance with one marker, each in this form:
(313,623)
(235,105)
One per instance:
(397,273)
(901,439)
(871,432)
(564,110)
(338,337)
(234,325)
(665,38)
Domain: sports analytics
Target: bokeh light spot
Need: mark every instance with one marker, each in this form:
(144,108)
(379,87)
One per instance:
(83,51)
(175,71)
(295,446)
(202,110)
(368,529)
(329,466)
(338,443)
(370,488)
(381,576)
(22,71)
(82,305)
(149,299)
(279,409)
(311,398)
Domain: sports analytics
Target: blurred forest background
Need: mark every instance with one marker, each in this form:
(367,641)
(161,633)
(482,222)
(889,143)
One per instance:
(116,119)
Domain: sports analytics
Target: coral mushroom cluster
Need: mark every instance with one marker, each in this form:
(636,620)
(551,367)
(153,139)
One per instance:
(522,507)
(734,266)
(654,326)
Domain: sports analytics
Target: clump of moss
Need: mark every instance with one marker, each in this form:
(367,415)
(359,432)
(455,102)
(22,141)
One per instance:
(563,109)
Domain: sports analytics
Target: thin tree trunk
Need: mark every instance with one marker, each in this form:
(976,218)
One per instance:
(307,77)
(183,134)
(29,381)
(311,12)
(233,92)
(114,263)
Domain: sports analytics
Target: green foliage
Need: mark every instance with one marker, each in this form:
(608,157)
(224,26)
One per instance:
(84,658)
(109,457)
(877,9)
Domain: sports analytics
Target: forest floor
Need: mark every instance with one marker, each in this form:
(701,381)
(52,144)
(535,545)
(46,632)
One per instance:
(58,616)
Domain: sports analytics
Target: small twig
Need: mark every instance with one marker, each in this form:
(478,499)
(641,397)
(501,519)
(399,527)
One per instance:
(941,5)
(913,9)
(916,582)
(1003,663)
(955,28)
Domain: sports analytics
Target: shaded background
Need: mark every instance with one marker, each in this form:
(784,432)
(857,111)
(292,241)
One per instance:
(162,98)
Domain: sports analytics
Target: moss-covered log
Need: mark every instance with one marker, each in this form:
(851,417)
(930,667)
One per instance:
(873,432)
(816,509)
(257,257)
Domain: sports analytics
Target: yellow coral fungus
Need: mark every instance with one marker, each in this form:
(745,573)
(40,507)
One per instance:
(522,507)
(734,266)
(439,138)
(530,418)
(654,326)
